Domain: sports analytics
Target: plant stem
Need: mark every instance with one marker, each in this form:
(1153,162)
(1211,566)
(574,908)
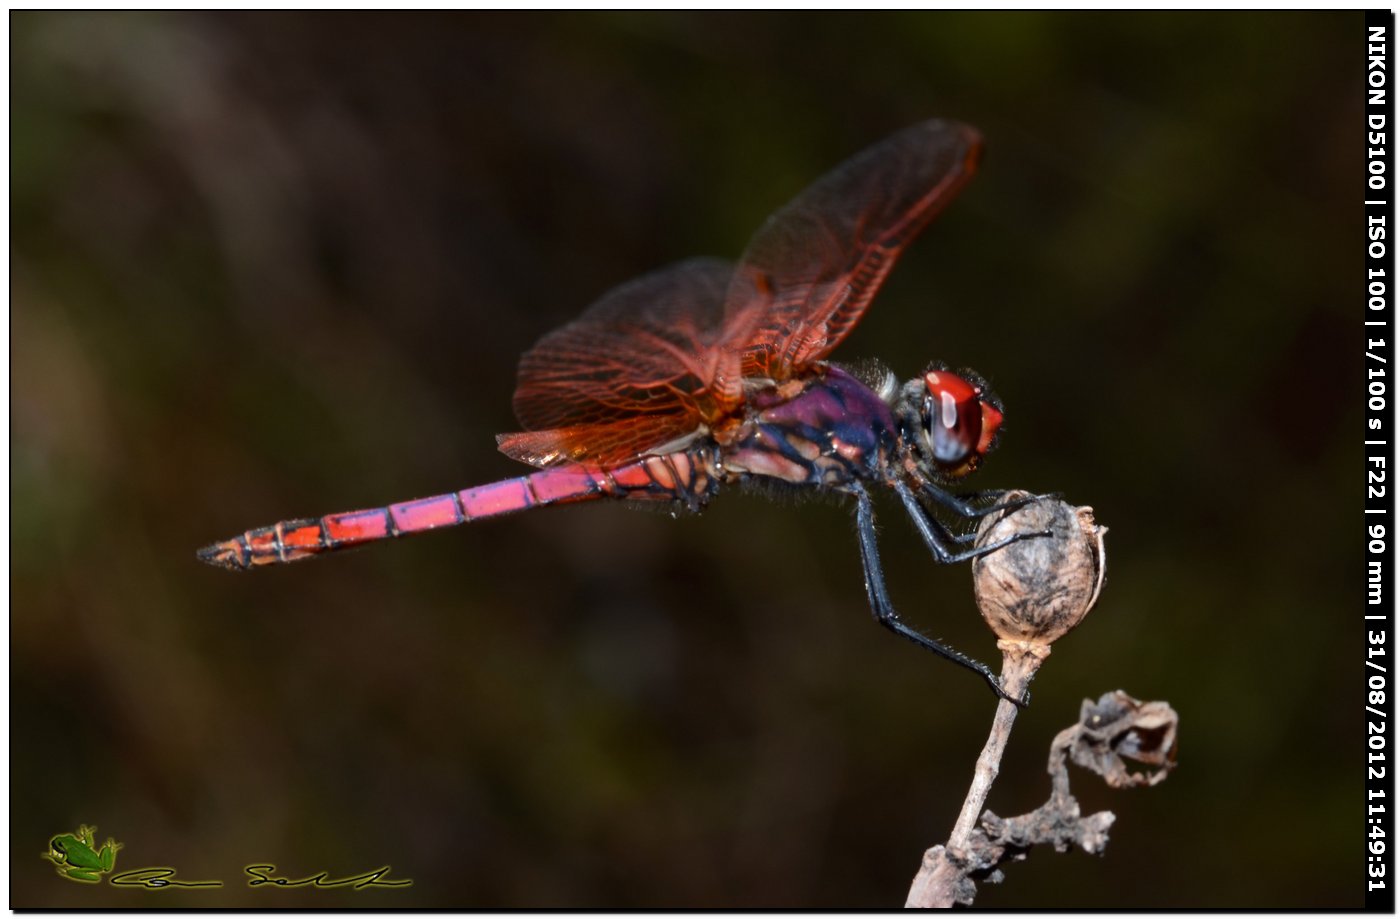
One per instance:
(936,885)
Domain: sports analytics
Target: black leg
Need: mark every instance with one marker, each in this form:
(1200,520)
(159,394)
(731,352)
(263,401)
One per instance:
(938,539)
(884,611)
(964,504)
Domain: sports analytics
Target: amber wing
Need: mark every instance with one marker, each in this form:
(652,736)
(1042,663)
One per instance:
(811,270)
(644,365)
(657,358)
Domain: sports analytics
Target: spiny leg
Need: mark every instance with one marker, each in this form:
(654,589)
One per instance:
(884,611)
(942,543)
(964,505)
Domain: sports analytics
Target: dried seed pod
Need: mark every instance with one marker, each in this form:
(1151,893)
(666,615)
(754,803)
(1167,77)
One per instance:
(1035,590)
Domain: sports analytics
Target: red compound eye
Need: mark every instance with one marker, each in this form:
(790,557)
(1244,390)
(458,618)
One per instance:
(991,423)
(961,423)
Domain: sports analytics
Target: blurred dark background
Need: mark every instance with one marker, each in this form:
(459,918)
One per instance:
(266,266)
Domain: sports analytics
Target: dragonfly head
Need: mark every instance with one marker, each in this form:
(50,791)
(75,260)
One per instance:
(956,421)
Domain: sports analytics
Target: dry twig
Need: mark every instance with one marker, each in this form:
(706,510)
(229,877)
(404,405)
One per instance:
(1032,593)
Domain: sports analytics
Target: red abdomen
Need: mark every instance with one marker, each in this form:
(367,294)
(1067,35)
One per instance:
(688,477)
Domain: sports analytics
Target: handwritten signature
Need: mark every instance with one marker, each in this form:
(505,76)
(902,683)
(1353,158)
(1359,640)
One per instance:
(155,879)
(358,882)
(164,878)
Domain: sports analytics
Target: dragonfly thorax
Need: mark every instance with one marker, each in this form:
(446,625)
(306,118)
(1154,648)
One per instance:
(949,421)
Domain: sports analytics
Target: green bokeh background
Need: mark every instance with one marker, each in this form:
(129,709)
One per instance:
(266,266)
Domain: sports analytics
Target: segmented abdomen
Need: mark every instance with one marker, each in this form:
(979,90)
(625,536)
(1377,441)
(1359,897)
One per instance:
(689,477)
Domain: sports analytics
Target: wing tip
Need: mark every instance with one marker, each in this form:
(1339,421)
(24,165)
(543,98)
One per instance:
(534,448)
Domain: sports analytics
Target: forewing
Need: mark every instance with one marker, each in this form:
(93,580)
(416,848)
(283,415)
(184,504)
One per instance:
(812,269)
(641,367)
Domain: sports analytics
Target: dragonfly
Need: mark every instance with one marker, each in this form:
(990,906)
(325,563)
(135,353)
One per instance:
(708,373)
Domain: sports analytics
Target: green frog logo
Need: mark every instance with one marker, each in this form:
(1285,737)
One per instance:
(79,859)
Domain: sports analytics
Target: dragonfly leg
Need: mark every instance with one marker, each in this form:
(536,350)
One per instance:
(965,504)
(884,611)
(940,542)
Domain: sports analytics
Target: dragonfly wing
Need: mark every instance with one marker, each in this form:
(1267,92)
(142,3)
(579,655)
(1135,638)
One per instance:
(643,366)
(812,269)
(606,444)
